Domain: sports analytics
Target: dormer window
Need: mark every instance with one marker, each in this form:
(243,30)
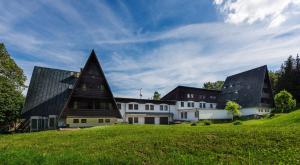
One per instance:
(83,87)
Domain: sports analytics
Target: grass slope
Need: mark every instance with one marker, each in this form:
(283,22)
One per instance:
(265,141)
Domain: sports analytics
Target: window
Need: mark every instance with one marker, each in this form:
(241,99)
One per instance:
(75,120)
(75,105)
(119,106)
(51,122)
(212,97)
(183,115)
(188,95)
(130,106)
(100,121)
(192,95)
(190,104)
(136,120)
(34,124)
(136,106)
(161,107)
(200,105)
(107,120)
(83,120)
(102,88)
(204,105)
(202,97)
(182,104)
(152,107)
(166,108)
(211,106)
(83,87)
(146,107)
(196,114)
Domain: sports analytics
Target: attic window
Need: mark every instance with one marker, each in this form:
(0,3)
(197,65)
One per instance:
(83,87)
(236,92)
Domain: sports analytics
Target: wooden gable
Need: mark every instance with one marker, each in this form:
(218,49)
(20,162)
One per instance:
(91,94)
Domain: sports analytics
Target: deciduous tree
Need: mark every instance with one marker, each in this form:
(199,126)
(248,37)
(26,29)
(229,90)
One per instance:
(234,108)
(284,101)
(12,81)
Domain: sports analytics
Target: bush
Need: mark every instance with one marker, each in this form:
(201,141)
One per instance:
(284,102)
(272,115)
(194,124)
(237,123)
(207,122)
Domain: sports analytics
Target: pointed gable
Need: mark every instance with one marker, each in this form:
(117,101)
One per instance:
(249,89)
(91,94)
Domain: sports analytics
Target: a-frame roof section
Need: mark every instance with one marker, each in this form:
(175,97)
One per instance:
(245,88)
(93,59)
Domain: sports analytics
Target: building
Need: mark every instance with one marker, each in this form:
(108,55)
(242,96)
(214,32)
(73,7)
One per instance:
(61,98)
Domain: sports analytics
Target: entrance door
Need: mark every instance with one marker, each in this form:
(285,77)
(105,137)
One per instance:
(149,120)
(130,120)
(163,120)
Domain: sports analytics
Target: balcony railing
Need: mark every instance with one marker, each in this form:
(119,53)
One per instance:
(91,93)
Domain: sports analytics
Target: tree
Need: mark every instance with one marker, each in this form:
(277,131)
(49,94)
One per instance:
(213,85)
(12,81)
(274,80)
(234,108)
(289,77)
(10,70)
(156,96)
(284,101)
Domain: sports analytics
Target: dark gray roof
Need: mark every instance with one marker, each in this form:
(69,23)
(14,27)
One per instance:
(143,101)
(48,91)
(244,88)
(200,94)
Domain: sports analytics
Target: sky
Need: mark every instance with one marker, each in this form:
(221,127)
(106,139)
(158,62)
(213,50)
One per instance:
(154,45)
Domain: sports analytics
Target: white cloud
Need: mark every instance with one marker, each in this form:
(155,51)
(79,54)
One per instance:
(275,12)
(194,54)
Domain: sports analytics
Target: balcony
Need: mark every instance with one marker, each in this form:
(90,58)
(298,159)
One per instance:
(89,93)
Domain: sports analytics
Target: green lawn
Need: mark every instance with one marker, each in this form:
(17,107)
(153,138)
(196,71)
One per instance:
(265,141)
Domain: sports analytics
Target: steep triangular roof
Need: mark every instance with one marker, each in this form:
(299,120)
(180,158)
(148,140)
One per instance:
(93,60)
(48,91)
(245,88)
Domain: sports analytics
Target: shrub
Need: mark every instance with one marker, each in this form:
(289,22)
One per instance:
(237,123)
(234,108)
(284,102)
(272,115)
(207,122)
(194,124)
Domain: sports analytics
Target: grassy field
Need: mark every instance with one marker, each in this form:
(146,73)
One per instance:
(264,141)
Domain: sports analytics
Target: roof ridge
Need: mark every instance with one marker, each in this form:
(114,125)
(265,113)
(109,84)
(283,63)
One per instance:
(54,69)
(197,88)
(247,71)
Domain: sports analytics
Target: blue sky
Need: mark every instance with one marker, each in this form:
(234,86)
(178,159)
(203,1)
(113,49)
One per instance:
(154,45)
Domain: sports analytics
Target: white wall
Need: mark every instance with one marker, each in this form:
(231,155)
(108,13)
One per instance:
(255,110)
(214,114)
